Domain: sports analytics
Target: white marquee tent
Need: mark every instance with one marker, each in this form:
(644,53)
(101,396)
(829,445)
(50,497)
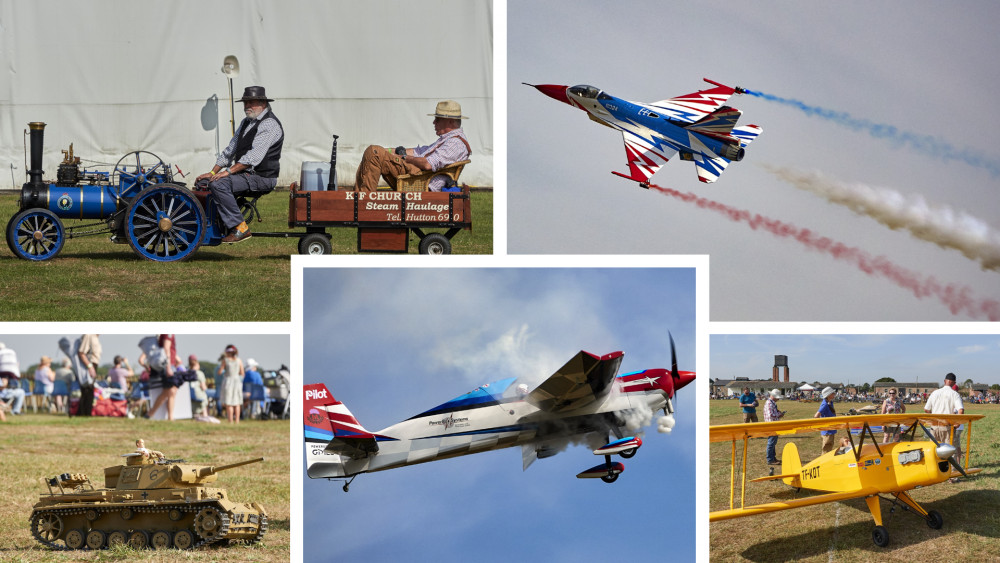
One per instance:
(114,76)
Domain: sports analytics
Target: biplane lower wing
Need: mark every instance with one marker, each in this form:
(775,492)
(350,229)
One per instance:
(786,505)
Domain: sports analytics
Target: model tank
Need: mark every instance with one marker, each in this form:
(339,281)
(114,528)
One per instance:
(148,502)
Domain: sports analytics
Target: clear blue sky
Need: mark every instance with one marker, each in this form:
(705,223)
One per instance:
(859,358)
(391,343)
(921,67)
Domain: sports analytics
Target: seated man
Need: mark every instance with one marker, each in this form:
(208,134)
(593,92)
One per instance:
(10,374)
(451,146)
(252,160)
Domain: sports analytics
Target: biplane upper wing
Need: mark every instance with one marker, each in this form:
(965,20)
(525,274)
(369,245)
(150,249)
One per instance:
(785,505)
(730,432)
(584,380)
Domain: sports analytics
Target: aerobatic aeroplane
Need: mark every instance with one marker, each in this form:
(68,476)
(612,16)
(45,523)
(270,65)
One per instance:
(862,471)
(697,126)
(584,397)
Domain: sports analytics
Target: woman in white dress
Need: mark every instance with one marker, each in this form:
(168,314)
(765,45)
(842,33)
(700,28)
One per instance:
(231,394)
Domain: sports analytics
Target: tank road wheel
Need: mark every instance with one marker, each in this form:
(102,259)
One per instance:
(315,244)
(117,537)
(96,539)
(880,536)
(160,539)
(75,539)
(91,514)
(435,243)
(183,539)
(137,171)
(46,526)
(175,514)
(165,223)
(138,539)
(35,234)
(209,523)
(127,513)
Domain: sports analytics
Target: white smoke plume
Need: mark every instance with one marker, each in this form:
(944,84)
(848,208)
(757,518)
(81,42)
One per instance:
(638,417)
(665,424)
(940,224)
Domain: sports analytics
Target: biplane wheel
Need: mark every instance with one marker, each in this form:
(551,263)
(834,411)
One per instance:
(435,243)
(880,536)
(165,223)
(934,520)
(628,454)
(609,478)
(315,244)
(35,234)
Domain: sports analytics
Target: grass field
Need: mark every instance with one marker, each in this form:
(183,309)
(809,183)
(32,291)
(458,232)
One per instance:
(36,446)
(842,531)
(93,279)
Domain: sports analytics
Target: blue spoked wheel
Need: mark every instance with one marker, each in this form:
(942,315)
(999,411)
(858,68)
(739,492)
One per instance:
(35,234)
(165,223)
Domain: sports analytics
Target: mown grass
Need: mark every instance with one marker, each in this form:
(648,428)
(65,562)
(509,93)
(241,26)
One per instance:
(35,446)
(93,279)
(842,531)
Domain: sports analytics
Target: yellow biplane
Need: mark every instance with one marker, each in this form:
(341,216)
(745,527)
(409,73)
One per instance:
(854,471)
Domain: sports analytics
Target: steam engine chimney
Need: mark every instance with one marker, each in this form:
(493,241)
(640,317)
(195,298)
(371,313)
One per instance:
(37,137)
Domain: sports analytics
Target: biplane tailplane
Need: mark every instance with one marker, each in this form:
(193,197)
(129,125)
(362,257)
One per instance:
(791,465)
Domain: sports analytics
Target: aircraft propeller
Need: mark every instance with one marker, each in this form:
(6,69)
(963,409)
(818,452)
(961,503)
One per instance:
(666,423)
(943,449)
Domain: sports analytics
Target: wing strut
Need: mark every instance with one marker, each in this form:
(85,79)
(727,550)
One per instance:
(861,442)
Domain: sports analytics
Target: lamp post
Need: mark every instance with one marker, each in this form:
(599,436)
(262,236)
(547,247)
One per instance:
(231,68)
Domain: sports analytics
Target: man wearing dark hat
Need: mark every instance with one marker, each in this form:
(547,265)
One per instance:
(451,146)
(249,163)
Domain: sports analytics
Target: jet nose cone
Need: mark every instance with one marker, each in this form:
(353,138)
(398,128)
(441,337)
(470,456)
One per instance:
(554,91)
(683,378)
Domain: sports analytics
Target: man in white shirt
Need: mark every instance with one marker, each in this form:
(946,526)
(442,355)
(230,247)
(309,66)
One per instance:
(945,400)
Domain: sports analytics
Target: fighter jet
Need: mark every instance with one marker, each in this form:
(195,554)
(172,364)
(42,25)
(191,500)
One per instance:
(697,127)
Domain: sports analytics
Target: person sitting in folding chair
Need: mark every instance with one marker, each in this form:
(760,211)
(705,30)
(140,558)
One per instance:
(451,146)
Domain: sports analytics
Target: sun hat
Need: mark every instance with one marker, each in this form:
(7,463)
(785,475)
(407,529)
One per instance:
(449,109)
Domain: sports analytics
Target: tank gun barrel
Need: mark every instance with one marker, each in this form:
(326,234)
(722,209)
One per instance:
(206,471)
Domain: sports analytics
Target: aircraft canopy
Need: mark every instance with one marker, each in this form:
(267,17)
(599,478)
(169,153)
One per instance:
(587,91)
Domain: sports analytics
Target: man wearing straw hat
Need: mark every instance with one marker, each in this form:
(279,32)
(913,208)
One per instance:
(451,146)
(826,409)
(249,163)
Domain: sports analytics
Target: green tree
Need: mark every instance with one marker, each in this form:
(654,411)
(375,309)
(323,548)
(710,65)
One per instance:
(885,380)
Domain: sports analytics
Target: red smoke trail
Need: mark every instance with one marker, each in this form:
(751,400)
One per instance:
(957,298)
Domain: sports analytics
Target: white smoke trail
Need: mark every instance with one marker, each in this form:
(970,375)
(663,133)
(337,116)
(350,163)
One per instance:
(940,224)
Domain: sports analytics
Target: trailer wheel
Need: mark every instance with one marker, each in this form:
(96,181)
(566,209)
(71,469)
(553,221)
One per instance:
(435,243)
(315,243)
(165,223)
(35,234)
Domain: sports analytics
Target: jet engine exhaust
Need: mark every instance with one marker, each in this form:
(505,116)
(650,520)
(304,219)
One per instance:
(957,298)
(732,152)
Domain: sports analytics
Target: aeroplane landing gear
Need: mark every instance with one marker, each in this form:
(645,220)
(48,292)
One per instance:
(611,477)
(644,185)
(347,485)
(880,536)
(934,520)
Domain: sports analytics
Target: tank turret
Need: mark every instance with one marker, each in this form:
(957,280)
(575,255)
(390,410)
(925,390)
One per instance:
(147,502)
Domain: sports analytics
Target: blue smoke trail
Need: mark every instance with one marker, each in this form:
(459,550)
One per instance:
(925,144)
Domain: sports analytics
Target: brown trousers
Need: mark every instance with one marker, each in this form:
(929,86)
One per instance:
(379,161)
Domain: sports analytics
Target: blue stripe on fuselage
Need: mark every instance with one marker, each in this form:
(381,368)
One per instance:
(669,133)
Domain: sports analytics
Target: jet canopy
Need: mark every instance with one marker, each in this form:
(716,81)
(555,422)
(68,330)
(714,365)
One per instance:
(587,91)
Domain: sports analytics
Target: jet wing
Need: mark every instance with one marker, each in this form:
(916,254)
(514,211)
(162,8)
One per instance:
(644,159)
(690,108)
(785,505)
(730,432)
(584,379)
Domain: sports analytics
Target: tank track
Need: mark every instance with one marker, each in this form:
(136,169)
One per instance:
(199,539)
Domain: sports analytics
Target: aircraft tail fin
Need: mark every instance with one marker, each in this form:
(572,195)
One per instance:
(746,134)
(791,465)
(719,122)
(332,434)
